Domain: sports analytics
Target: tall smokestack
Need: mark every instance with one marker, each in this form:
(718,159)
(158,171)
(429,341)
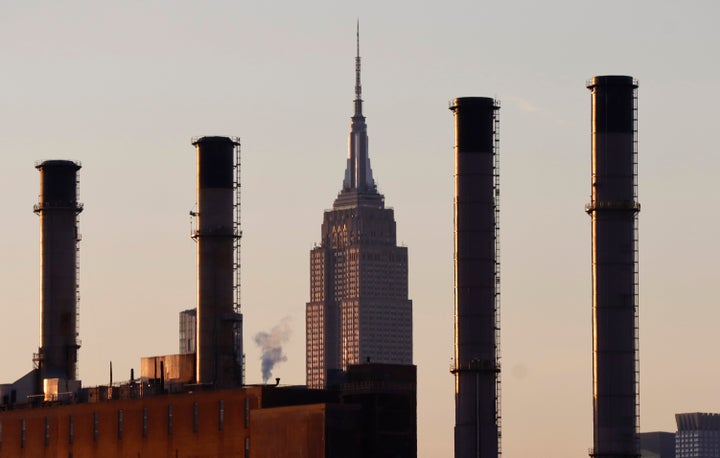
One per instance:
(218,321)
(614,209)
(477,278)
(58,209)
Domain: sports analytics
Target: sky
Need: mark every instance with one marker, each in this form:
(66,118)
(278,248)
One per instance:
(124,88)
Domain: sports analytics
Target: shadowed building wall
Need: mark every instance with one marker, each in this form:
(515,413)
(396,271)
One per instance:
(310,431)
(388,396)
(657,444)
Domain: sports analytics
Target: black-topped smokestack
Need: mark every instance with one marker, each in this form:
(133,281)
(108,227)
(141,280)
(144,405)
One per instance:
(477,279)
(218,323)
(614,209)
(58,209)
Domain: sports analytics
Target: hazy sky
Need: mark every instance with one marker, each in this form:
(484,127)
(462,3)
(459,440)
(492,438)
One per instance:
(124,88)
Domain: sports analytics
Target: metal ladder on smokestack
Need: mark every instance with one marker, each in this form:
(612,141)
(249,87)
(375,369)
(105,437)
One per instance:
(78,238)
(496,205)
(636,274)
(237,235)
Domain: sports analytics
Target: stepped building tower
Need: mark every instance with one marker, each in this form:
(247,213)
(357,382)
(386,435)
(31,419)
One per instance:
(359,309)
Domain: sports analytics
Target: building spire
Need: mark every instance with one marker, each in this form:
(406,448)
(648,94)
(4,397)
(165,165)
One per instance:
(358,86)
(358,185)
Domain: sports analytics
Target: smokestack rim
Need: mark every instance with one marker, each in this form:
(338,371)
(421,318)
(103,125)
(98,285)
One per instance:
(58,163)
(474,102)
(214,138)
(611,80)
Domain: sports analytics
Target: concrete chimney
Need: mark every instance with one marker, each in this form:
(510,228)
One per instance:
(477,279)
(217,320)
(58,209)
(614,209)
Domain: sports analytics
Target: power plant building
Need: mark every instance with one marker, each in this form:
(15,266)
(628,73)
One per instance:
(368,417)
(359,309)
(171,410)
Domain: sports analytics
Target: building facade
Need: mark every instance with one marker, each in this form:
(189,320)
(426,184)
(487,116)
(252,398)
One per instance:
(698,435)
(202,424)
(372,415)
(187,331)
(359,309)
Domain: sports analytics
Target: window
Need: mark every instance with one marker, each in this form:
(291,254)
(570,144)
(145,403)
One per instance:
(120,424)
(145,422)
(170,419)
(247,412)
(221,415)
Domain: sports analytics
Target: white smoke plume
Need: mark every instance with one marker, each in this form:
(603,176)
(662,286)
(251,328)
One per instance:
(271,346)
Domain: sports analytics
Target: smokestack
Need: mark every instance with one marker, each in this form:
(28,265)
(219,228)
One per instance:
(614,209)
(477,278)
(218,317)
(58,209)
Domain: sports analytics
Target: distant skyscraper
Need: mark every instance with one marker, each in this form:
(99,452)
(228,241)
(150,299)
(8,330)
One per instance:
(188,331)
(698,435)
(188,337)
(359,308)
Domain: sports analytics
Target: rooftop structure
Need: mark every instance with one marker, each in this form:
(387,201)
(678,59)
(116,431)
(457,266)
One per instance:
(698,435)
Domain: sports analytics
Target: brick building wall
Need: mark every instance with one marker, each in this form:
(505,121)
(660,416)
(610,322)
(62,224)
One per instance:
(201,424)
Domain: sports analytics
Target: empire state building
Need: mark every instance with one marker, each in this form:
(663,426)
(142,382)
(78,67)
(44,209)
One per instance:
(359,308)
